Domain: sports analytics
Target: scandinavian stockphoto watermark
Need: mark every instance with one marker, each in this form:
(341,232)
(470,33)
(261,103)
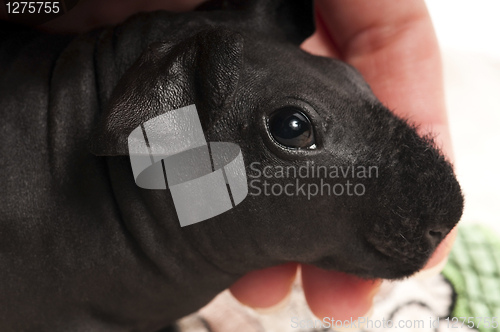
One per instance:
(309,179)
(170,151)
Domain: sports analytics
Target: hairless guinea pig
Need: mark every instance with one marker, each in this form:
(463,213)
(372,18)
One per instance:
(83,248)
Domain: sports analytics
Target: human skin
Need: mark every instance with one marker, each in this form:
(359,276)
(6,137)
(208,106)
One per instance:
(394,46)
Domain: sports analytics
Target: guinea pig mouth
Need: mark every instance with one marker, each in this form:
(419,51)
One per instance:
(394,253)
(332,263)
(412,255)
(379,266)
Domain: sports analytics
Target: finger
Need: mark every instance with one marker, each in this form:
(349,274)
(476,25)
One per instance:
(393,45)
(336,294)
(265,288)
(320,43)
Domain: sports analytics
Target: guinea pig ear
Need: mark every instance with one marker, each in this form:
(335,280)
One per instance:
(292,19)
(201,70)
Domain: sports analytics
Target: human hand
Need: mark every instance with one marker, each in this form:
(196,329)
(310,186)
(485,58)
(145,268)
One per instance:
(394,46)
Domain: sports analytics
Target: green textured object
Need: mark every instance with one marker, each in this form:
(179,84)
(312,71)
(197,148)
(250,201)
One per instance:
(473,269)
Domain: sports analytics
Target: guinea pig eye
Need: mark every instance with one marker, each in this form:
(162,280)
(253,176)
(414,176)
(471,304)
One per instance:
(291,128)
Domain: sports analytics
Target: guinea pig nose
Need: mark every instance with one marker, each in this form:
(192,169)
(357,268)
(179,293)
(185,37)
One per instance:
(435,235)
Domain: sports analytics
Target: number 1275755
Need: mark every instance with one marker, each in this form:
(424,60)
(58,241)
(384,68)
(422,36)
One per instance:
(32,7)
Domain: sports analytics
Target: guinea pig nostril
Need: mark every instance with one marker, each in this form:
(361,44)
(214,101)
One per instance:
(434,237)
(435,234)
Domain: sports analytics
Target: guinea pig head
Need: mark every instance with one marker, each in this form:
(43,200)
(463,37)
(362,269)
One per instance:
(335,179)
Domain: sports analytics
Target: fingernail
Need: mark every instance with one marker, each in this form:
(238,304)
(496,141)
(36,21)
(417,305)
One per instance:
(275,308)
(432,272)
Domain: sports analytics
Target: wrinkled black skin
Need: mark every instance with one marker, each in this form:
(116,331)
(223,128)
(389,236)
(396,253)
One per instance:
(84,249)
